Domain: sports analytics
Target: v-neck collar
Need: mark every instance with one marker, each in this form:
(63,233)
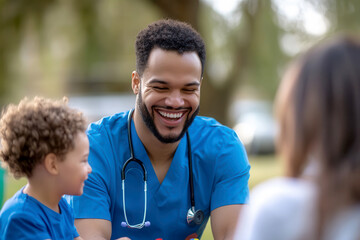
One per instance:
(175,171)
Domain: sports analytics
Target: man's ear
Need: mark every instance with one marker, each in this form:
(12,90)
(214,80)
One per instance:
(135,82)
(51,163)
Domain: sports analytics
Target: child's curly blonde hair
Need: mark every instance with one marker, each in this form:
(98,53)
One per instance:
(34,128)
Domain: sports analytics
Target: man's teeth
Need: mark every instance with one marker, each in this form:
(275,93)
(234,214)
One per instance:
(171,115)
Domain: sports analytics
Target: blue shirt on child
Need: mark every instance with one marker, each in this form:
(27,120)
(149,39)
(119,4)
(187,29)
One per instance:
(24,217)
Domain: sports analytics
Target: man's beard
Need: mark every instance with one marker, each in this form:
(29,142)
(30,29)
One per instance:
(149,121)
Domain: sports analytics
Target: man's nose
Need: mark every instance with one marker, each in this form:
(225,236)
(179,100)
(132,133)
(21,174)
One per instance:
(175,99)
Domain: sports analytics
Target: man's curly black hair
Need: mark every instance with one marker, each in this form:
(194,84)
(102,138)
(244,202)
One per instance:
(168,34)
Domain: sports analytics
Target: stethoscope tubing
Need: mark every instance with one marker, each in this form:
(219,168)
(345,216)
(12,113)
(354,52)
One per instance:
(192,197)
(139,225)
(133,159)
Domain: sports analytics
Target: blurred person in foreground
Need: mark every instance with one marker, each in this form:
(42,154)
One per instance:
(44,141)
(318,109)
(196,167)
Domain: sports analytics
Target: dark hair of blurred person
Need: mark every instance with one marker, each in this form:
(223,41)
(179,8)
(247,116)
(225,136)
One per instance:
(319,115)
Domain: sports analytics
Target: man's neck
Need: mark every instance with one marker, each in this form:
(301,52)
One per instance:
(156,150)
(159,153)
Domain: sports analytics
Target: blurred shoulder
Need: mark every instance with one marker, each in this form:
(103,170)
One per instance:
(281,190)
(280,209)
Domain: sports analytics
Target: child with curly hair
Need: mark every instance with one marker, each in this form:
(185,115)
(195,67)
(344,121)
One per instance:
(44,141)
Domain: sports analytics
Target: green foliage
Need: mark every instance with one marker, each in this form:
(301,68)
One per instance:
(265,57)
(12,185)
(55,48)
(2,185)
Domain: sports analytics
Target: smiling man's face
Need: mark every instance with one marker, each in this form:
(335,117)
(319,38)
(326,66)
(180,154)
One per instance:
(169,93)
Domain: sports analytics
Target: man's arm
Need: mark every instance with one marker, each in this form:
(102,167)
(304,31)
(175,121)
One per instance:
(93,228)
(98,229)
(224,220)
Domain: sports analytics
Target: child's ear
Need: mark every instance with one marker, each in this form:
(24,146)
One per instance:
(51,163)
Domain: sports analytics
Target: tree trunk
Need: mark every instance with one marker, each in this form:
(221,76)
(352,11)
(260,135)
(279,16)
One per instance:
(182,10)
(215,100)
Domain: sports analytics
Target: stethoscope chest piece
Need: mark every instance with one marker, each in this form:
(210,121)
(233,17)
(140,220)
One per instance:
(194,217)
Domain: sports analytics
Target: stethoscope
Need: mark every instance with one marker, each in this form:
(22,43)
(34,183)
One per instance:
(193,217)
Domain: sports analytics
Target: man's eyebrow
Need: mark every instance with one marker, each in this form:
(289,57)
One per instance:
(157,81)
(195,83)
(154,81)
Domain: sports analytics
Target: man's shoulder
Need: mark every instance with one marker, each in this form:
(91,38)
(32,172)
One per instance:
(207,133)
(207,126)
(112,122)
(206,122)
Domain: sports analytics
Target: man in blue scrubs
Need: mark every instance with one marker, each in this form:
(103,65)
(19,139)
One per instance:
(170,58)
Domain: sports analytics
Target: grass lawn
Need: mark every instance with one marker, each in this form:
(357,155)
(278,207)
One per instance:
(262,168)
(12,186)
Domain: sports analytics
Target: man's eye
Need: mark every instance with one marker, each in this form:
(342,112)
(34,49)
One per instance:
(190,90)
(160,88)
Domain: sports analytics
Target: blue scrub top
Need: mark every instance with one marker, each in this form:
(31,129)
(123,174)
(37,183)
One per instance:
(24,217)
(220,173)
